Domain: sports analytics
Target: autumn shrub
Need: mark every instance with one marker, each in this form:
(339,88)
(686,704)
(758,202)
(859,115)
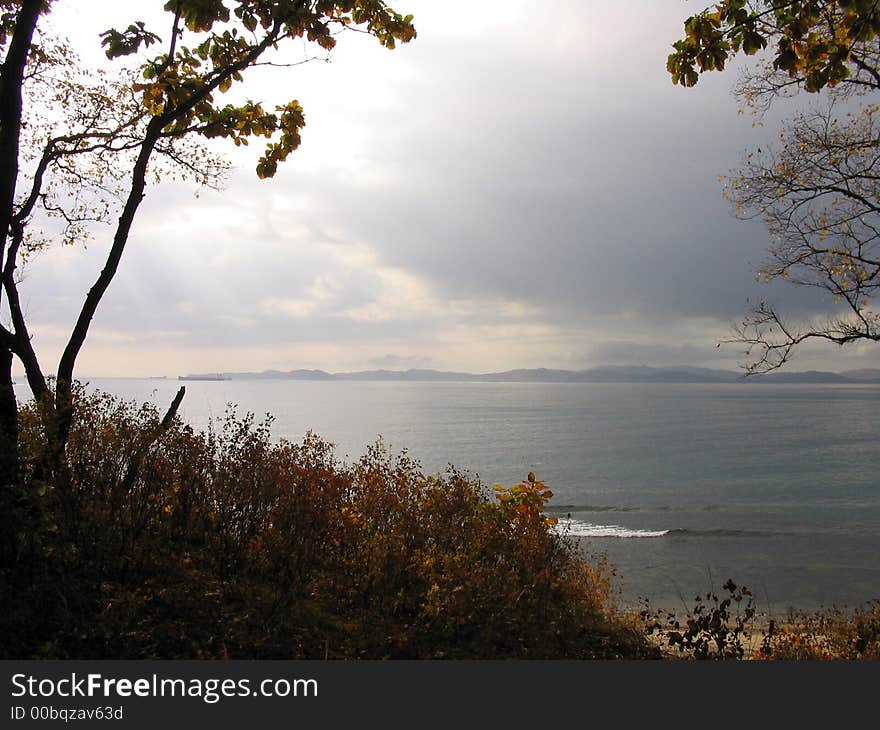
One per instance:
(831,634)
(228,543)
(729,627)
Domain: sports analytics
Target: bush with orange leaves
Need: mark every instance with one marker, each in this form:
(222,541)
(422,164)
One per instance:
(228,543)
(831,634)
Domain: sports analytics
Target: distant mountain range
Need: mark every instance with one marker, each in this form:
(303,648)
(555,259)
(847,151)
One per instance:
(603,374)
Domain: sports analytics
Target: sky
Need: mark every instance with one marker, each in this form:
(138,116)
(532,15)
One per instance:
(521,186)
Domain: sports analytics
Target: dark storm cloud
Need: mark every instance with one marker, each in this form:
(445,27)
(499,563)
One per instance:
(579,186)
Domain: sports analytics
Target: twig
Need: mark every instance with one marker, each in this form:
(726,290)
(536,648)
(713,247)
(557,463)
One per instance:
(134,467)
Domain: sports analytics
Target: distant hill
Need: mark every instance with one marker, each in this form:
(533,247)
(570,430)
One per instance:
(411,374)
(871,375)
(603,374)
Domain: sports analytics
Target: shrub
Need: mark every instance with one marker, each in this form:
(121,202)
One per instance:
(716,628)
(227,543)
(831,634)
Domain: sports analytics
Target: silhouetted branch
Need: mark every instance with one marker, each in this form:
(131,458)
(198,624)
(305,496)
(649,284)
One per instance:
(134,467)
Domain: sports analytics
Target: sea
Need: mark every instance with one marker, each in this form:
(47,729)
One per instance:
(678,486)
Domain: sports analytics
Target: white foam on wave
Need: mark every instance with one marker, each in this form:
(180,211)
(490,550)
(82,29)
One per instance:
(576,528)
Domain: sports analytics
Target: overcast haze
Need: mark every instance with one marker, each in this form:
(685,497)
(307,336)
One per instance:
(521,186)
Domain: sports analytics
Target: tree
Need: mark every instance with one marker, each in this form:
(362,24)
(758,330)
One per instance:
(78,147)
(818,190)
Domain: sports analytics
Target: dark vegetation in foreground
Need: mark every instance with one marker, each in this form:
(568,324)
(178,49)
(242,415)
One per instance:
(184,544)
(163,542)
(726,625)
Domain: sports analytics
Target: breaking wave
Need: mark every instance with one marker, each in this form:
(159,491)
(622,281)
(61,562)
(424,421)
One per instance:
(576,528)
(579,528)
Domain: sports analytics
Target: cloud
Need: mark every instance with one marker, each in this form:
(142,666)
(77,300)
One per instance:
(391,361)
(520,187)
(626,352)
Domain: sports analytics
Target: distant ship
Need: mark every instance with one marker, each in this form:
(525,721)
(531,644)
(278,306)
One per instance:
(208,376)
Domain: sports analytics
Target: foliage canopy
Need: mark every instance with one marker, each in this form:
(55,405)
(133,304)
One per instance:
(78,147)
(816,43)
(230,543)
(817,189)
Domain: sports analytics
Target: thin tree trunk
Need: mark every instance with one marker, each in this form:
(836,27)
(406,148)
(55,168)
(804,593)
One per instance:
(137,458)
(64,377)
(61,412)
(13,69)
(10,110)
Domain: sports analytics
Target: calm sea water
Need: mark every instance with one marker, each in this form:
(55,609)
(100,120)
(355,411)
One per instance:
(680,486)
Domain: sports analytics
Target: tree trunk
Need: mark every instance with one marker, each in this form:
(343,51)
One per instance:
(64,379)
